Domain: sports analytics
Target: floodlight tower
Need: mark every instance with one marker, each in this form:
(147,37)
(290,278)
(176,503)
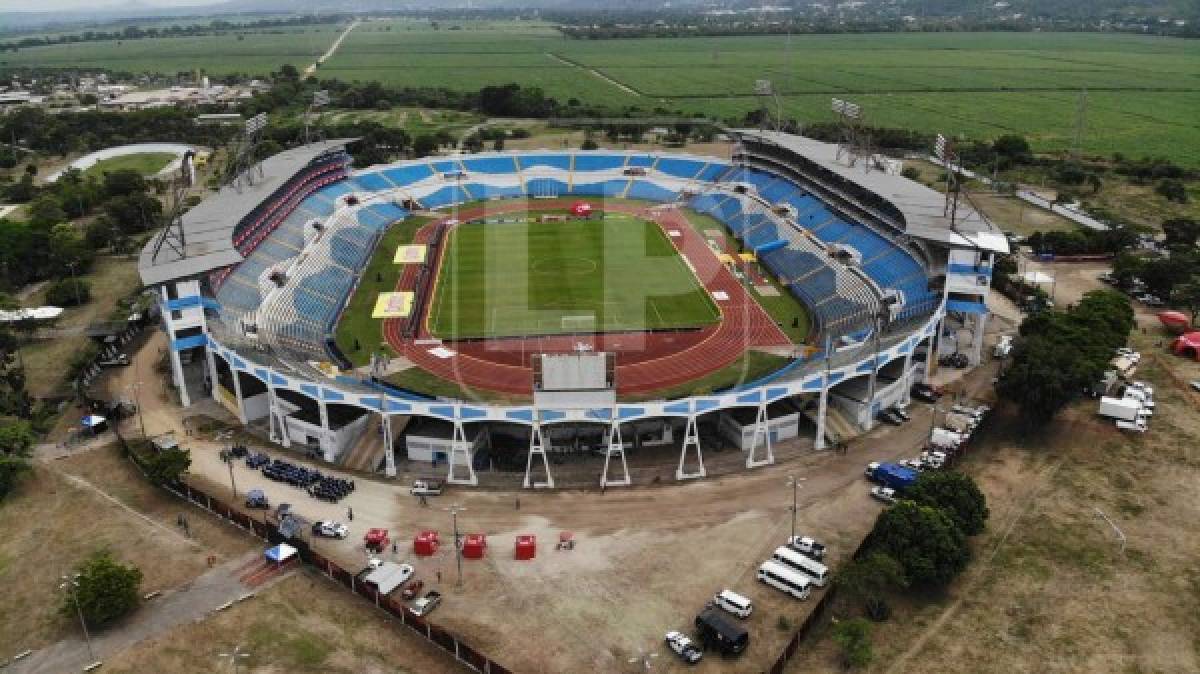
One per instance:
(320,99)
(852,140)
(764,90)
(244,164)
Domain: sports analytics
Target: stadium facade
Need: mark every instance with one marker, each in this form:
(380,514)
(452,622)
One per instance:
(251,295)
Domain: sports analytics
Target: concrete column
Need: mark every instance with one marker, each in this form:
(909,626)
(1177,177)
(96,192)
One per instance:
(212,371)
(328,449)
(691,438)
(822,410)
(980,322)
(906,396)
(237,392)
(389,452)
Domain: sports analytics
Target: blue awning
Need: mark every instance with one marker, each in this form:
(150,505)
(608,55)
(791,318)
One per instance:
(966,307)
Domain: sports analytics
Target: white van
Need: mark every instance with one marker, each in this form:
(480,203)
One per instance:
(809,567)
(785,579)
(733,603)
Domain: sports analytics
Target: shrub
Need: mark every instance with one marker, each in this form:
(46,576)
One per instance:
(853,638)
(911,173)
(69,293)
(105,589)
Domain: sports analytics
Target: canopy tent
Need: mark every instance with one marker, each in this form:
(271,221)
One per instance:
(34,314)
(92,421)
(1174,321)
(280,553)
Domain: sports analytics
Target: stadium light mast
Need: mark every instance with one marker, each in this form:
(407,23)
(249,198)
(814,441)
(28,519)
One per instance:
(852,141)
(320,99)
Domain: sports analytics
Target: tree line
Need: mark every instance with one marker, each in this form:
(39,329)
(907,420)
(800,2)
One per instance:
(134,32)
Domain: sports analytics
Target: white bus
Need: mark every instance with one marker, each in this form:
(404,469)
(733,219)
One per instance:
(809,567)
(734,603)
(782,578)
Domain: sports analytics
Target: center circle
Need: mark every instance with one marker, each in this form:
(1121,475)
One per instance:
(575,266)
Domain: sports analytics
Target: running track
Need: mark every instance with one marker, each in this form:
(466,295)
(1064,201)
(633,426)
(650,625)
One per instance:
(645,362)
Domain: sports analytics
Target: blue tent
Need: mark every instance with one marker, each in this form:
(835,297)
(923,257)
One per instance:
(280,553)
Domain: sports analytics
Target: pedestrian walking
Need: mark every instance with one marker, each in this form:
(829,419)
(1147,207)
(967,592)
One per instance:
(395,548)
(350,514)
(518,503)
(439,576)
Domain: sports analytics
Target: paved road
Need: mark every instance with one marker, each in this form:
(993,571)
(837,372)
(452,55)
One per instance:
(312,68)
(189,603)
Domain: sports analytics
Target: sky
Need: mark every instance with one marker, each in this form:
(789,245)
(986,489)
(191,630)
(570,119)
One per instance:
(58,5)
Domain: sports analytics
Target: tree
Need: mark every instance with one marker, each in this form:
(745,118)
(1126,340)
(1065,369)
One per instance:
(425,145)
(954,492)
(911,173)
(1187,295)
(1172,190)
(1181,232)
(853,638)
(1012,147)
(924,540)
(869,578)
(168,465)
(45,211)
(106,590)
(589,143)
(68,252)
(123,182)
(16,442)
(69,292)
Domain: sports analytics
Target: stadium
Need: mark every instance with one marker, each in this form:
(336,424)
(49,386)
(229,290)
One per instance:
(603,302)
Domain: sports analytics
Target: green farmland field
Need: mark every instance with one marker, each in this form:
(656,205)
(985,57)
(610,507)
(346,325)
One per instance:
(531,278)
(1142,92)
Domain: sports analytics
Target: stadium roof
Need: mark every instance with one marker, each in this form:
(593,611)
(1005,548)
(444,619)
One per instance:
(921,207)
(208,228)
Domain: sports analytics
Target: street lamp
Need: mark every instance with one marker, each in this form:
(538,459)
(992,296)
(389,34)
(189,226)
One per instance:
(235,656)
(75,282)
(454,510)
(70,585)
(794,483)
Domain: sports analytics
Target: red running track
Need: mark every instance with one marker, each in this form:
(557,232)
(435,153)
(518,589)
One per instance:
(646,361)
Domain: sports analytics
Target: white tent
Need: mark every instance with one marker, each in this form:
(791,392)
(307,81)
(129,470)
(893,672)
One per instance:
(280,553)
(1036,277)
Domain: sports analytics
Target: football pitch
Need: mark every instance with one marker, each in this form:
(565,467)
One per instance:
(619,273)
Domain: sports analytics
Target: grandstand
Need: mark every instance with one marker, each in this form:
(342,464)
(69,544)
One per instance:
(867,256)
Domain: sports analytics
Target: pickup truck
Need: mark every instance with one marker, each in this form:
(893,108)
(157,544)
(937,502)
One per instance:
(426,604)
(807,546)
(426,487)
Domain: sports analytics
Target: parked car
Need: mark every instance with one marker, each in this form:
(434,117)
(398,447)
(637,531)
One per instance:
(683,647)
(890,417)
(329,529)
(426,604)
(924,393)
(255,498)
(899,411)
(120,360)
(1195,385)
(885,494)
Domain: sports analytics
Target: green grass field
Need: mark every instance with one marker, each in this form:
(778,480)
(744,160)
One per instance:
(146,163)
(1143,91)
(619,273)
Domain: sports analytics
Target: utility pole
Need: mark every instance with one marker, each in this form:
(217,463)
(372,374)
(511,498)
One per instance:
(71,585)
(794,483)
(1080,122)
(232,484)
(454,511)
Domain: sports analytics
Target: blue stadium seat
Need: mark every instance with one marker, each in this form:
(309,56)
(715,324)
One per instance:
(711,172)
(641,189)
(373,182)
(680,168)
(402,176)
(494,165)
(640,161)
(447,166)
(560,161)
(597,162)
(315,204)
(607,188)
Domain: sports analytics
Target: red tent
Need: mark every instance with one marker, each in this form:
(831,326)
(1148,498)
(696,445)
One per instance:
(526,546)
(474,546)
(1187,345)
(426,543)
(1174,321)
(581,209)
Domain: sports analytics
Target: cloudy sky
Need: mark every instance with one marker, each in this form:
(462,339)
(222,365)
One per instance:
(57,5)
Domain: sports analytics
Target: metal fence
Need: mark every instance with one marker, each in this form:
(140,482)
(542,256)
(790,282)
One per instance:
(267,531)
